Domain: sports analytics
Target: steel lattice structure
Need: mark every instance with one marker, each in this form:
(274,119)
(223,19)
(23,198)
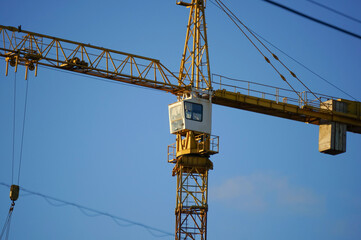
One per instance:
(192,150)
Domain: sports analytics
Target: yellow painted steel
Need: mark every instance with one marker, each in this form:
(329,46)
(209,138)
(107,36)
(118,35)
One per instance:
(191,168)
(192,202)
(192,150)
(195,66)
(353,108)
(14,192)
(33,49)
(193,143)
(307,114)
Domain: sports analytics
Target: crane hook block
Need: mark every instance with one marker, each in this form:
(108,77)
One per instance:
(14,192)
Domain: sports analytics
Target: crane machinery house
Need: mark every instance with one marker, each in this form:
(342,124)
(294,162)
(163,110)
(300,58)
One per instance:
(190,114)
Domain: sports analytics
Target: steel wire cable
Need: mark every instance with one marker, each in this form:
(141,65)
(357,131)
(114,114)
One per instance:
(96,78)
(71,50)
(256,36)
(6,228)
(314,19)
(298,62)
(155,232)
(267,60)
(305,67)
(23,129)
(14,131)
(274,56)
(334,10)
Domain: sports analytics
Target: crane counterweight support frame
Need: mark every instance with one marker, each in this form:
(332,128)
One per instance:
(190,118)
(306,114)
(34,49)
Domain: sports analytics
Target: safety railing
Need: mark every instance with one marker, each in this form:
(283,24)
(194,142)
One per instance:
(205,145)
(172,153)
(301,99)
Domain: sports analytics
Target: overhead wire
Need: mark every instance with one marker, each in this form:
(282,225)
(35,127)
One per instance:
(257,37)
(314,19)
(234,18)
(158,233)
(335,11)
(275,57)
(305,67)
(295,60)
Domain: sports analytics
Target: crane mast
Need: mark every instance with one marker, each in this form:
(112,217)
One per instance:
(195,59)
(191,116)
(190,120)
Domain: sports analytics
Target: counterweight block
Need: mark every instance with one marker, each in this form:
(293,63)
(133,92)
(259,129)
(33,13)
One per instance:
(332,135)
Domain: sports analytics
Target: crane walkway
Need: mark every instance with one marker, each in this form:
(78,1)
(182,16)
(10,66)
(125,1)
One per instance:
(279,102)
(30,49)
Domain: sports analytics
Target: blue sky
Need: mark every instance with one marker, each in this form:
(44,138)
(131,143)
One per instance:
(104,145)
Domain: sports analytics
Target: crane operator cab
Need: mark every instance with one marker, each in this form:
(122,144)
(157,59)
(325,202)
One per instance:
(190,114)
(191,120)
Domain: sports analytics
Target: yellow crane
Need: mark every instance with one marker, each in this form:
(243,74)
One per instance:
(190,116)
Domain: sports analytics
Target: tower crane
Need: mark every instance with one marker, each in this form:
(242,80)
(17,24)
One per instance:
(190,116)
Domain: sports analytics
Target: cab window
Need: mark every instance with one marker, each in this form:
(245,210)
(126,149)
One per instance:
(193,111)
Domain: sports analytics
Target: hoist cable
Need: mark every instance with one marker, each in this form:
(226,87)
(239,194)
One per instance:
(335,11)
(14,123)
(268,61)
(6,227)
(23,130)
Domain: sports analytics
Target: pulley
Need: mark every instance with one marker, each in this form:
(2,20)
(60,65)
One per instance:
(31,66)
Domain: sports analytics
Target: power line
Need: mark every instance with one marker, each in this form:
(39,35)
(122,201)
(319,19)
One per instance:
(314,19)
(84,210)
(335,11)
